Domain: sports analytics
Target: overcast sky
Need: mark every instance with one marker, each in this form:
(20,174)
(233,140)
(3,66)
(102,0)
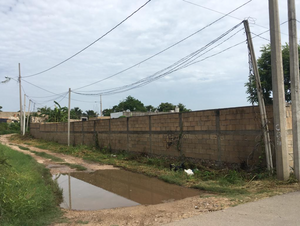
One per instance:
(40,34)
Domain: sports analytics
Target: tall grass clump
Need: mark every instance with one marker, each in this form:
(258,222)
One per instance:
(7,128)
(28,195)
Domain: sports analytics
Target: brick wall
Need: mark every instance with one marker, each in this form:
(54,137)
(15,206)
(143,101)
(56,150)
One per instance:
(230,135)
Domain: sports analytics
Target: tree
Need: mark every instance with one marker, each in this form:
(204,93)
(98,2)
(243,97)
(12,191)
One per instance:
(182,108)
(107,112)
(264,68)
(166,107)
(130,103)
(136,105)
(59,114)
(150,108)
(0,108)
(90,113)
(75,113)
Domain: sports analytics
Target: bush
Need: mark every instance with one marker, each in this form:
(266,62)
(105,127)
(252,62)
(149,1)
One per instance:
(7,128)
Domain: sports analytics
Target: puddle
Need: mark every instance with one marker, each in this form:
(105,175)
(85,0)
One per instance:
(106,189)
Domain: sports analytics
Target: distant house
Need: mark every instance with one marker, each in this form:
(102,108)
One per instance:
(9,117)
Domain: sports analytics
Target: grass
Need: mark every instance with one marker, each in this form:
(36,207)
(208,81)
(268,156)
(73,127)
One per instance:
(81,222)
(8,128)
(48,156)
(23,148)
(28,194)
(223,182)
(75,166)
(54,158)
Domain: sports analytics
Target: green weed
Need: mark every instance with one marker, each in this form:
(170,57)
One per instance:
(8,128)
(48,156)
(23,148)
(75,166)
(28,194)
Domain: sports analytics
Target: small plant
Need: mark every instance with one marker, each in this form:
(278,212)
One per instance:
(232,177)
(81,222)
(23,148)
(45,155)
(75,166)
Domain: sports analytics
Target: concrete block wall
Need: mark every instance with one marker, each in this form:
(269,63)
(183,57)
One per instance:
(227,135)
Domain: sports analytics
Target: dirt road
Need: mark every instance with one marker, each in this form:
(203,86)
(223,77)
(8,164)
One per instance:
(134,216)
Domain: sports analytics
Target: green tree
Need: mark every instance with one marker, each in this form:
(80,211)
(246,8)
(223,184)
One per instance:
(166,107)
(107,112)
(75,113)
(130,103)
(91,114)
(44,111)
(182,108)
(264,68)
(59,114)
(150,108)
(0,108)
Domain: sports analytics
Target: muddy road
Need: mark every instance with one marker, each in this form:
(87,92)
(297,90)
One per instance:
(158,214)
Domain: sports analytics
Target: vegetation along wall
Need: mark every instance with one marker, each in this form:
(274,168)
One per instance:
(231,135)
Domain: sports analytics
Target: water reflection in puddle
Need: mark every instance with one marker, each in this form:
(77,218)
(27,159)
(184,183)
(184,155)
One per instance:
(105,189)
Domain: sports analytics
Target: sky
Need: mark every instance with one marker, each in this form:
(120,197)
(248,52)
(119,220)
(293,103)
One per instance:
(42,34)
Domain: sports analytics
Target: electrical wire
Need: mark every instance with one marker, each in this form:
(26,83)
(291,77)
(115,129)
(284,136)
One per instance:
(174,67)
(260,36)
(164,50)
(39,87)
(69,58)
(204,7)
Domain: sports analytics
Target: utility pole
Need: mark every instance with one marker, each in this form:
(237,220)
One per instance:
(279,111)
(261,102)
(20,92)
(28,116)
(69,115)
(100,105)
(294,73)
(24,119)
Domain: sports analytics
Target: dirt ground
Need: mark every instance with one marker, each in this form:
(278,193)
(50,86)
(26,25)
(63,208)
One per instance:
(134,216)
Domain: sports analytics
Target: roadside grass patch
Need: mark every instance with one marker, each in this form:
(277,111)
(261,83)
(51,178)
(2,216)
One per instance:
(81,222)
(48,156)
(221,190)
(75,166)
(28,194)
(8,128)
(23,148)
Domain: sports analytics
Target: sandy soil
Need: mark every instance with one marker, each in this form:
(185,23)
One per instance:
(136,216)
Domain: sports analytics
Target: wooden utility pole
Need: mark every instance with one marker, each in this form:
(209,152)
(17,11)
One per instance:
(261,102)
(24,116)
(20,92)
(279,111)
(28,116)
(294,73)
(70,196)
(100,105)
(69,115)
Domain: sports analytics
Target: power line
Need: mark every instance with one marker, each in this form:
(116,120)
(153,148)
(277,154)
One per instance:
(91,43)
(204,7)
(39,87)
(164,50)
(52,99)
(172,68)
(259,35)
